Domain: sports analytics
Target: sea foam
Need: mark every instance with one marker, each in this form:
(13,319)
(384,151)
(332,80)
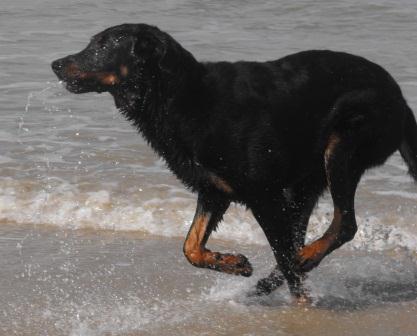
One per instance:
(170,213)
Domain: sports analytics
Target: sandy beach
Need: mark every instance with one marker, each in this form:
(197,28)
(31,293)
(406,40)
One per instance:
(61,282)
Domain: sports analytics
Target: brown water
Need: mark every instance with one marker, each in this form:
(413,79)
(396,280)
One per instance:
(92,222)
(57,282)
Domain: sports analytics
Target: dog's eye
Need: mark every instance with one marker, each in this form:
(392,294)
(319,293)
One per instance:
(101,41)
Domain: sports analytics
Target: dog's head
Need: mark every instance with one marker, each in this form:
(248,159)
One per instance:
(120,56)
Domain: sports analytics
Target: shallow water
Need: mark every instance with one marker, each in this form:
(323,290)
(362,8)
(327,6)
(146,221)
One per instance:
(112,283)
(72,162)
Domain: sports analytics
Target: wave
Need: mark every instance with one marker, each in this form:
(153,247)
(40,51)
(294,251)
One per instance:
(168,212)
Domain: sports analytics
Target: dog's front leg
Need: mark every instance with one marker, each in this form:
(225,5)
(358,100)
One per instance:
(210,210)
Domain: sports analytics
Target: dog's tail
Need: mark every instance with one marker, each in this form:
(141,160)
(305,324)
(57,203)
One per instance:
(408,147)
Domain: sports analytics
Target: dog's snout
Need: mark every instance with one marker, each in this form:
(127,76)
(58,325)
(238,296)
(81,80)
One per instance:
(61,66)
(57,66)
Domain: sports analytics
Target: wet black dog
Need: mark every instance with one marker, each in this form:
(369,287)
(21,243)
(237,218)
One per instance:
(270,135)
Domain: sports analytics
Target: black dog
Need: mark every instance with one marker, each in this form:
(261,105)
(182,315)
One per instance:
(270,135)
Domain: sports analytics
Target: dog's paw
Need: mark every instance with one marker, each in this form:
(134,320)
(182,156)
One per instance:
(233,264)
(303,300)
(243,266)
(267,285)
(309,256)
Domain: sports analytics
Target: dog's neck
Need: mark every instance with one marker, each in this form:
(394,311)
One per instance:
(161,110)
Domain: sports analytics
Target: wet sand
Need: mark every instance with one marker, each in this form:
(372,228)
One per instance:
(56,282)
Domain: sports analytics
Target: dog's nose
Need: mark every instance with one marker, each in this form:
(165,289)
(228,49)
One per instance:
(57,66)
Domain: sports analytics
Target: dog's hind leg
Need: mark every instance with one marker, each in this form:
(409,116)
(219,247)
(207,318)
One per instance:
(306,194)
(343,173)
(208,214)
(285,229)
(367,129)
(277,228)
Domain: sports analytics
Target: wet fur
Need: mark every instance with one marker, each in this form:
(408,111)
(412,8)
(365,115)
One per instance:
(255,132)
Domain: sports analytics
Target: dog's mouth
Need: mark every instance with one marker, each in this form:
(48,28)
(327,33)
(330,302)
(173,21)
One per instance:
(75,86)
(78,80)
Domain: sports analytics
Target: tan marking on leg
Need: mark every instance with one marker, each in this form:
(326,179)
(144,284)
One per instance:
(314,251)
(221,184)
(317,250)
(336,225)
(197,254)
(194,244)
(334,139)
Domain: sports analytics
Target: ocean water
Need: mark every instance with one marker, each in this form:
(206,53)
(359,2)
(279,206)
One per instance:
(80,191)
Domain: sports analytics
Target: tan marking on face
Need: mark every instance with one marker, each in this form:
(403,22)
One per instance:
(221,184)
(107,78)
(73,70)
(124,70)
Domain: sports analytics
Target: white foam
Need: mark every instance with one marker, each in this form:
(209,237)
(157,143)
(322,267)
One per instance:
(99,318)
(403,194)
(170,213)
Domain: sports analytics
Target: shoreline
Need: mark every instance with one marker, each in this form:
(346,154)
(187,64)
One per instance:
(86,282)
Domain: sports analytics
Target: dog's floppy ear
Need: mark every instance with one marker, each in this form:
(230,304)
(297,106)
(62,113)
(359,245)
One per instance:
(153,48)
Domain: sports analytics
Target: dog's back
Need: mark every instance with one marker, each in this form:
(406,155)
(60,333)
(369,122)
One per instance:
(270,122)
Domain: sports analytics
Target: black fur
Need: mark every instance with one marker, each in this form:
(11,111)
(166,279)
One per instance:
(262,128)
